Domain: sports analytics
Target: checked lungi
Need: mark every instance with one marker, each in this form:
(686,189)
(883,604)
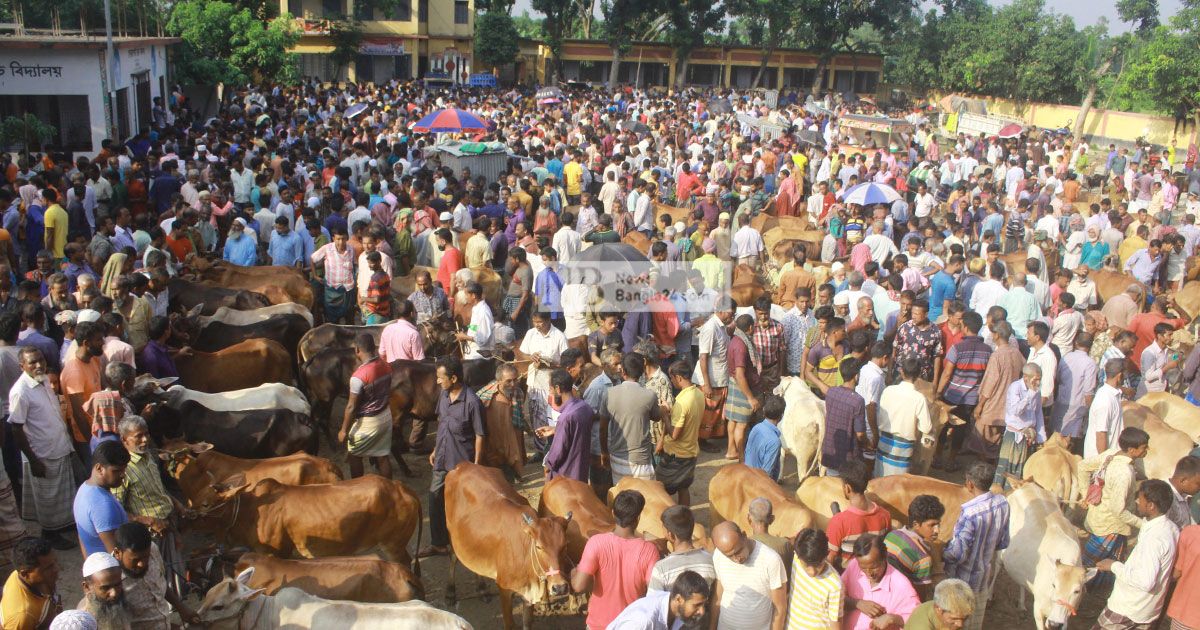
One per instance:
(1100,548)
(1013,456)
(894,455)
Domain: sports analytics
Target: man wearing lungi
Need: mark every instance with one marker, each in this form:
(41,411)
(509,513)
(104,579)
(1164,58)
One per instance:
(48,490)
(367,425)
(903,418)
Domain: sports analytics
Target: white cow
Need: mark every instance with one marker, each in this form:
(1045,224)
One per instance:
(233,604)
(227,315)
(266,396)
(802,427)
(1044,556)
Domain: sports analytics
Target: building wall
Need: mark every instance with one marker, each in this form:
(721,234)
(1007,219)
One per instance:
(64,87)
(397,43)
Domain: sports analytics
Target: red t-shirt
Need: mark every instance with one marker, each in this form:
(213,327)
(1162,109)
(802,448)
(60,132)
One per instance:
(846,526)
(621,568)
(737,355)
(1143,325)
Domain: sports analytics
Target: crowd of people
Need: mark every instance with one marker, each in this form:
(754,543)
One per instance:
(972,288)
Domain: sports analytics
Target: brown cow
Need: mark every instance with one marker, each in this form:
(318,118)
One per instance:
(496,534)
(195,466)
(353,579)
(346,518)
(1110,283)
(505,444)
(939,415)
(493,293)
(638,240)
(677,214)
(657,501)
(1054,468)
(246,364)
(745,286)
(893,493)
(575,501)
(778,237)
(736,485)
(280,284)
(493,285)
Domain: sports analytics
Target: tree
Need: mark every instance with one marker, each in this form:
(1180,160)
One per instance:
(561,18)
(689,22)
(1142,14)
(1167,67)
(527,26)
(496,39)
(770,21)
(28,131)
(626,21)
(346,36)
(826,25)
(222,43)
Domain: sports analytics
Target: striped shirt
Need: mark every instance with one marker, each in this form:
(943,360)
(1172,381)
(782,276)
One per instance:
(815,602)
(981,531)
(908,554)
(796,329)
(969,358)
(142,493)
(768,340)
(825,364)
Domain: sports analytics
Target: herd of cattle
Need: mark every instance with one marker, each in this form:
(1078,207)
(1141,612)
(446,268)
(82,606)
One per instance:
(241,440)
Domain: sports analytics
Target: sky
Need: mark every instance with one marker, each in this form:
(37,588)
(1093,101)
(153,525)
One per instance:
(1084,12)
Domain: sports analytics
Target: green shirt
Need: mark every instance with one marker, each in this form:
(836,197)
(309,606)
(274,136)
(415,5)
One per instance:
(142,493)
(923,617)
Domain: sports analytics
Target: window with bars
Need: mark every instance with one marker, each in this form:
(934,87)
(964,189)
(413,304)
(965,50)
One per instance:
(462,12)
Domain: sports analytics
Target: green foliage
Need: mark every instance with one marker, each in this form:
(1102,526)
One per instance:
(528,27)
(1166,68)
(224,43)
(346,36)
(28,131)
(496,39)
(561,18)
(1142,14)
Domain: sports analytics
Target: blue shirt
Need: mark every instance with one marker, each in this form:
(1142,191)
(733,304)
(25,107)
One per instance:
(940,289)
(981,531)
(762,448)
(548,289)
(647,613)
(96,511)
(242,251)
(286,249)
(1142,266)
(555,166)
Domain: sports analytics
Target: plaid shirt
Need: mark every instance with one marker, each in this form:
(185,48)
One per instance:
(379,287)
(845,415)
(969,358)
(923,344)
(797,328)
(339,268)
(429,306)
(489,391)
(981,531)
(106,409)
(142,493)
(768,340)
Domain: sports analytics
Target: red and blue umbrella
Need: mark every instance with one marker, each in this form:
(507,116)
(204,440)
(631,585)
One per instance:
(449,121)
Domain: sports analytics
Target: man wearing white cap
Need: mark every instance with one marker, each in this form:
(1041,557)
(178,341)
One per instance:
(103,592)
(74,620)
(241,248)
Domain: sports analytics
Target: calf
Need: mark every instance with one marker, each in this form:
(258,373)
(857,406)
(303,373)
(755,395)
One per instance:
(802,427)
(496,534)
(1043,556)
(345,518)
(194,466)
(733,488)
(586,515)
(657,501)
(245,364)
(352,579)
(232,605)
(1054,467)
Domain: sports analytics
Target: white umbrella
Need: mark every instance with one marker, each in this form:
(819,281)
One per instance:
(870,194)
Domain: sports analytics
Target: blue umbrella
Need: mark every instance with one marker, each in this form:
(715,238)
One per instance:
(449,121)
(355,110)
(870,194)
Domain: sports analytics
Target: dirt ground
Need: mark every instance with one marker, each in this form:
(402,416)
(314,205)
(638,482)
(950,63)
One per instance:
(479,604)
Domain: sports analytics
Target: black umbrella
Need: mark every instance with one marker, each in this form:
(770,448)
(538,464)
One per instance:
(634,126)
(605,263)
(720,106)
(549,92)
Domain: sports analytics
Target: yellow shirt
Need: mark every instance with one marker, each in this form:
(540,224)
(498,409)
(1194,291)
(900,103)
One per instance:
(478,253)
(21,608)
(1129,247)
(686,412)
(56,219)
(573,173)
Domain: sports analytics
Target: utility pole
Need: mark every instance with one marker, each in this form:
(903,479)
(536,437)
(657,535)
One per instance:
(109,78)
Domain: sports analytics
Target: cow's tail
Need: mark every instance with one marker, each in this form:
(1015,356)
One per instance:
(416,562)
